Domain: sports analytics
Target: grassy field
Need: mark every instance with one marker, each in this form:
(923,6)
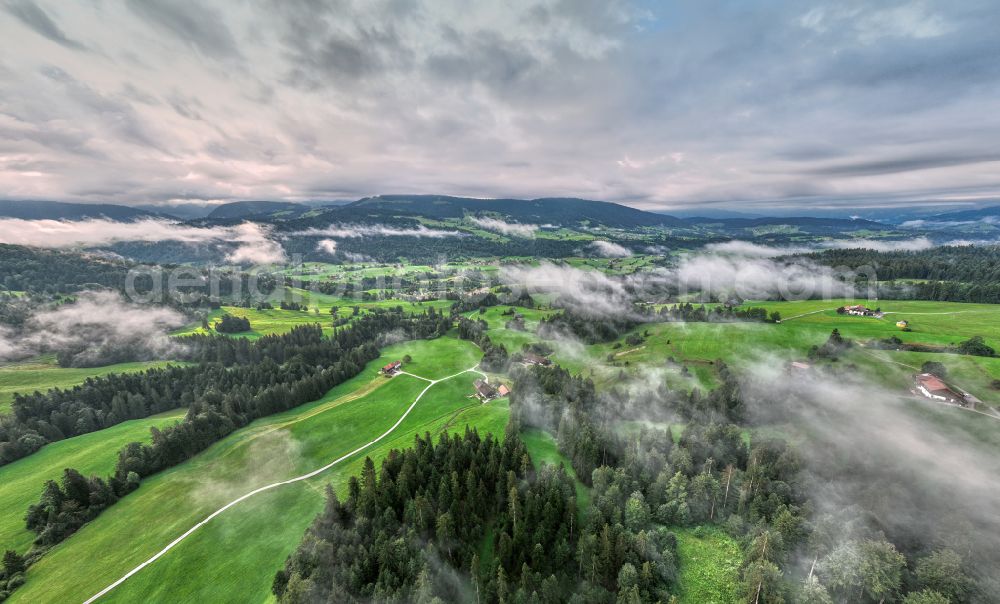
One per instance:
(695,347)
(43,373)
(94,453)
(930,322)
(277,321)
(233,558)
(709,566)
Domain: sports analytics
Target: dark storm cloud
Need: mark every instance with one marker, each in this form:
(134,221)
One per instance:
(653,104)
(38,20)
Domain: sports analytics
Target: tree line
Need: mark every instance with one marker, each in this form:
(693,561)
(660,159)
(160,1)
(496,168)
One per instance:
(945,273)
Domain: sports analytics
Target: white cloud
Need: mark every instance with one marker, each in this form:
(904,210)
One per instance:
(356,231)
(908,245)
(253,245)
(98,328)
(607,249)
(327,245)
(507,228)
(753,250)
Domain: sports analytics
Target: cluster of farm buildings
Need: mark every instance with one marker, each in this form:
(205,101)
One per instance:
(860,310)
(484,390)
(932,387)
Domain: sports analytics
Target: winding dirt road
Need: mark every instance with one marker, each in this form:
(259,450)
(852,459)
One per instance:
(315,472)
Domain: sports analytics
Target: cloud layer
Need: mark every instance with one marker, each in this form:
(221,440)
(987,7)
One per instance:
(97,329)
(252,243)
(357,231)
(652,104)
(607,249)
(506,228)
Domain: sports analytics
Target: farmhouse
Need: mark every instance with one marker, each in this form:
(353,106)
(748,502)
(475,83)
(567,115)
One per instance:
(902,324)
(503,390)
(484,391)
(932,387)
(531,358)
(859,310)
(392,368)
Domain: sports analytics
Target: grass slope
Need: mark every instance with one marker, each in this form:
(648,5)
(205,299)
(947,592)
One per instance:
(94,453)
(709,566)
(233,558)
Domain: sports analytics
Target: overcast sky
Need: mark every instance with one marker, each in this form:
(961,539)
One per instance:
(658,105)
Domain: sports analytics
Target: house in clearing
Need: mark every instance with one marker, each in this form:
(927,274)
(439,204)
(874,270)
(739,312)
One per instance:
(859,310)
(931,386)
(484,390)
(531,358)
(392,368)
(902,324)
(503,390)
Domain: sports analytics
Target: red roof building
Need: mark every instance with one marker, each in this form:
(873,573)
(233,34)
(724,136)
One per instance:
(392,367)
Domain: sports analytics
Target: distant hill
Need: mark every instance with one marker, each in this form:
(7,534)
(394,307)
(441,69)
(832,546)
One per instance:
(552,210)
(799,221)
(246,209)
(967,215)
(57,210)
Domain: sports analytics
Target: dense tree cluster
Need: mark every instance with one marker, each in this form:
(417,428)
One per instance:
(470,303)
(413,532)
(586,328)
(644,482)
(974,346)
(495,356)
(228,323)
(946,273)
(689,313)
(64,508)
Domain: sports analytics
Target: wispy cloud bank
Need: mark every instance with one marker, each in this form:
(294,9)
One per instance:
(757,278)
(357,231)
(607,249)
(253,245)
(712,276)
(907,245)
(507,228)
(97,329)
(753,250)
(327,245)
(915,467)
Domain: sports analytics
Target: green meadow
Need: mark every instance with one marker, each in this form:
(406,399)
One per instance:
(222,561)
(318,306)
(94,453)
(709,564)
(43,373)
(695,348)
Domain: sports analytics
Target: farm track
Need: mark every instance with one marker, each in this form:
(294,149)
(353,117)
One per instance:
(806,314)
(190,531)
